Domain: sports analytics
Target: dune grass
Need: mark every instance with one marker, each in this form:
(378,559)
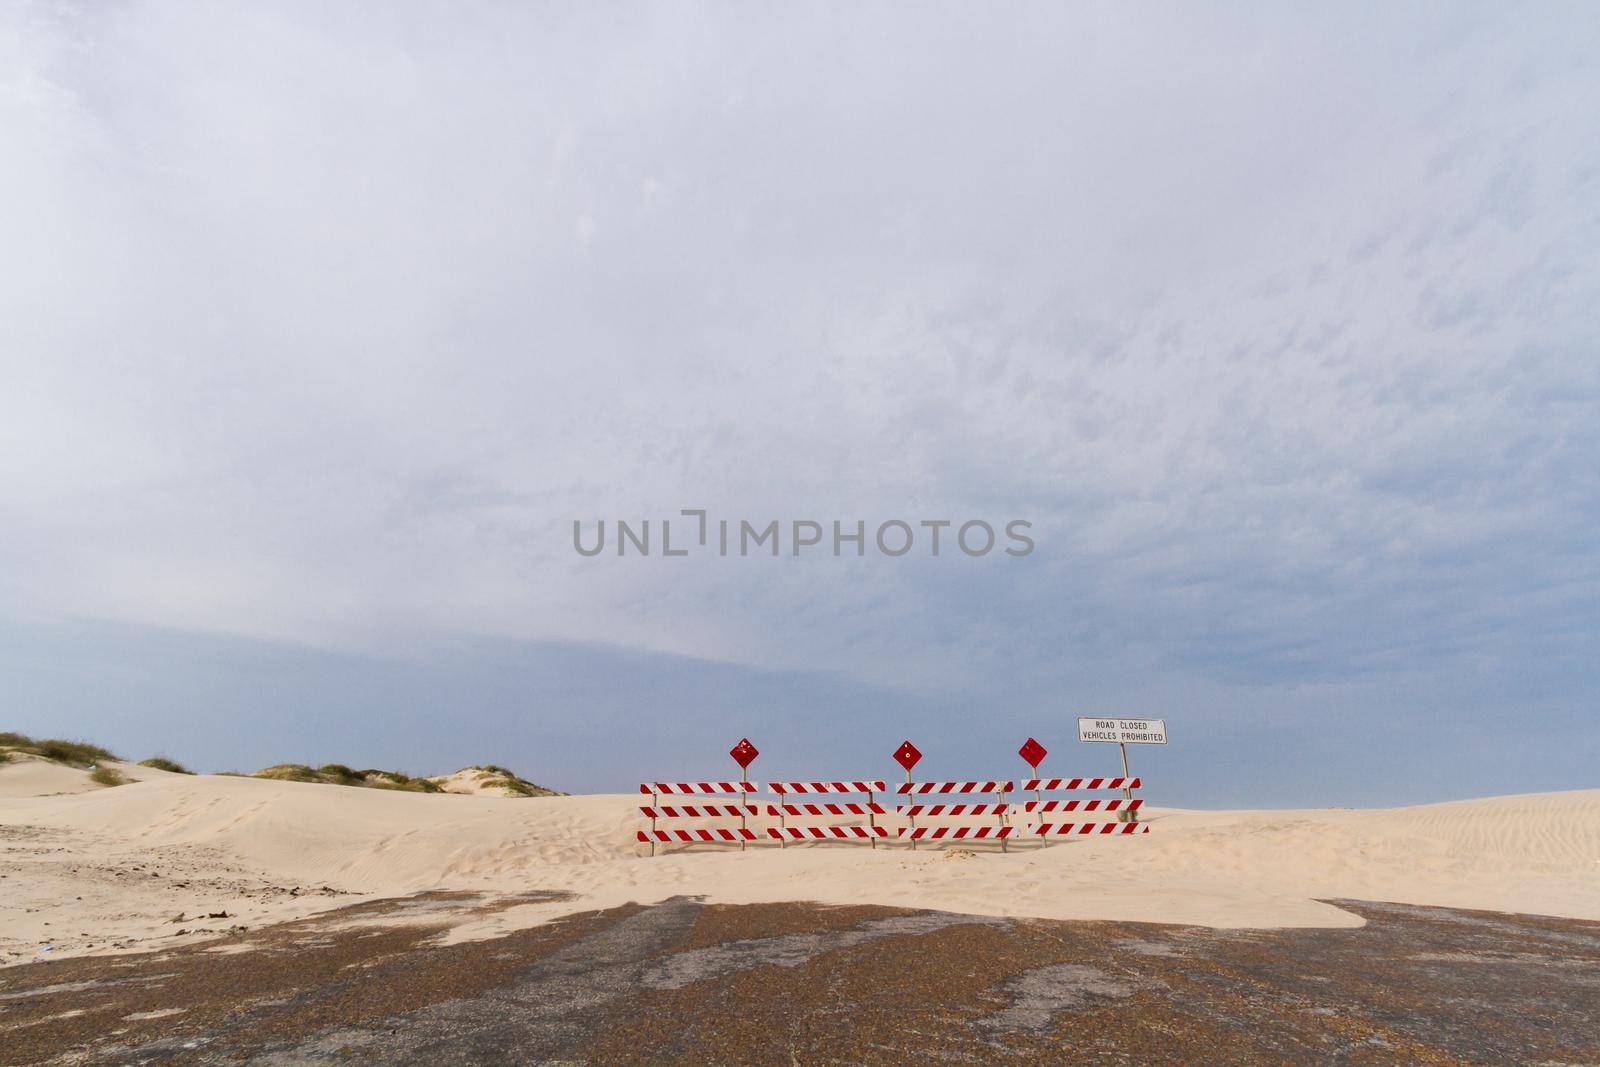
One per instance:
(377,779)
(72,753)
(161,763)
(517,786)
(289,772)
(374,778)
(84,755)
(491,774)
(339,774)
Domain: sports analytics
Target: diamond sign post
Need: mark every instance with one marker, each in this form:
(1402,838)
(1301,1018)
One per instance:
(907,756)
(1033,754)
(744,754)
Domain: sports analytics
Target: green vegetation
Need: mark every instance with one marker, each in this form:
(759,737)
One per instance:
(161,763)
(72,753)
(514,784)
(339,774)
(489,775)
(397,780)
(517,787)
(289,772)
(415,785)
(83,755)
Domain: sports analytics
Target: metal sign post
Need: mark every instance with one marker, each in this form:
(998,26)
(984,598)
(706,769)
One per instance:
(1000,818)
(1033,754)
(907,756)
(872,822)
(911,819)
(744,754)
(1130,815)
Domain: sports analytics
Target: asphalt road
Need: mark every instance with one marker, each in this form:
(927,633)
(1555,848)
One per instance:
(682,982)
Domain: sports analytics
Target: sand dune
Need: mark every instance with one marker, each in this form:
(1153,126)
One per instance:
(29,776)
(109,868)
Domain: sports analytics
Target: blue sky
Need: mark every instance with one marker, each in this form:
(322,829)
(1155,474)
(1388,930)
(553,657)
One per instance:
(321,328)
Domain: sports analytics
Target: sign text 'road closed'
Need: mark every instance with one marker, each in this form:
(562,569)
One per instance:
(1127,731)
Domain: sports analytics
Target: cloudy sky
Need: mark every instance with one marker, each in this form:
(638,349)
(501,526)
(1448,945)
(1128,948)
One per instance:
(321,324)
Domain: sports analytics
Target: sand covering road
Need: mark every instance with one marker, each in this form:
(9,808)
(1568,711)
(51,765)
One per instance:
(130,867)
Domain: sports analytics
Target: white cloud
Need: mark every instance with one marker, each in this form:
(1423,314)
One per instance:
(324,324)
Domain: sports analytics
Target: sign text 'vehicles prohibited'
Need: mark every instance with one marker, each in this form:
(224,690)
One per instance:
(1123,731)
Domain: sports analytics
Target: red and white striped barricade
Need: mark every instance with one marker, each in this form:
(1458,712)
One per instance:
(930,800)
(1052,818)
(697,808)
(826,819)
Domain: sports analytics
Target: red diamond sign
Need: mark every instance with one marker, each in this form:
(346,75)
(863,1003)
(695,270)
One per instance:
(744,753)
(907,755)
(1033,753)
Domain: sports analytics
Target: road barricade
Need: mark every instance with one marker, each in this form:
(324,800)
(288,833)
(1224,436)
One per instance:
(699,809)
(820,820)
(984,820)
(1044,818)
(929,811)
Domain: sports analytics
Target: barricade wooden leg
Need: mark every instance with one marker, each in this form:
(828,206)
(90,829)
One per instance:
(1130,815)
(1000,818)
(911,820)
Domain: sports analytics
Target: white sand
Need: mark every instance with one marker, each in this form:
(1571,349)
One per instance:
(30,776)
(105,869)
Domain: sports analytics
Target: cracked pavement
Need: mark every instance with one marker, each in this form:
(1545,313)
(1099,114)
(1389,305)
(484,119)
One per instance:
(684,982)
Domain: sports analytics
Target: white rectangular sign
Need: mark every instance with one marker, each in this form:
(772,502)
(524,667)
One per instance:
(1127,731)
